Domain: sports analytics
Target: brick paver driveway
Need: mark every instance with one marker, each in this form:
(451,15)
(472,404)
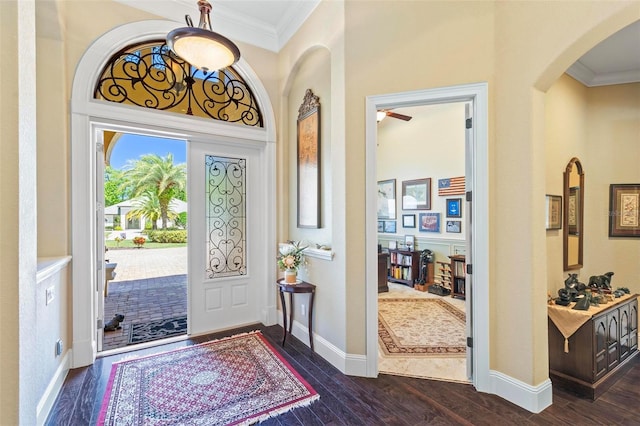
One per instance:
(150,284)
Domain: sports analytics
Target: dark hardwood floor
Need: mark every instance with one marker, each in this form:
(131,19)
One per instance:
(387,400)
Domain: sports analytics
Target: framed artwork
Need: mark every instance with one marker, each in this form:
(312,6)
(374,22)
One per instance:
(393,245)
(553,205)
(429,222)
(624,210)
(408,220)
(573,210)
(416,194)
(409,241)
(454,206)
(390,226)
(309,162)
(381,226)
(454,226)
(387,199)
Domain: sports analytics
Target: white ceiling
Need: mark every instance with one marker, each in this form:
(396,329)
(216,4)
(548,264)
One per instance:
(615,60)
(271,23)
(264,23)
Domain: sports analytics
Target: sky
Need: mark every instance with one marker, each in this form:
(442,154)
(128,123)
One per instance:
(131,146)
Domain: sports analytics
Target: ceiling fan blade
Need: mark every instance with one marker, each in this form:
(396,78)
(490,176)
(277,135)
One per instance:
(399,116)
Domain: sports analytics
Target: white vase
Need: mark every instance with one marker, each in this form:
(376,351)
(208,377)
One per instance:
(290,276)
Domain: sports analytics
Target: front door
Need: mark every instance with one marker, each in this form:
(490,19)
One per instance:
(224,265)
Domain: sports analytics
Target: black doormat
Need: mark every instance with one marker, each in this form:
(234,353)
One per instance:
(158,329)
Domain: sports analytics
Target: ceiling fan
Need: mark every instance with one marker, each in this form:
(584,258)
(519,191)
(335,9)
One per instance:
(386,113)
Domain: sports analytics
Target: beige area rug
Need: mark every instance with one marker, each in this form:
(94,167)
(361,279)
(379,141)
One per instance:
(421,327)
(435,367)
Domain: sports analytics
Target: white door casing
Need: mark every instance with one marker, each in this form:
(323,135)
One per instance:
(89,115)
(98,143)
(468,282)
(477,95)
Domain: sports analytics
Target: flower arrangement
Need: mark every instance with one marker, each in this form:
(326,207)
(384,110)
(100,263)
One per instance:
(291,257)
(139,241)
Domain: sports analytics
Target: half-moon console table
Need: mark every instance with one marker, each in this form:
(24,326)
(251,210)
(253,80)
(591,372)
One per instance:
(590,350)
(302,287)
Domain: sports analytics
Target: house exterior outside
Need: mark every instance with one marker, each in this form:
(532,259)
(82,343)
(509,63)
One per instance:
(117,215)
(520,49)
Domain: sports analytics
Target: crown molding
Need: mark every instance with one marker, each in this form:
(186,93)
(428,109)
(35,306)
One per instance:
(232,24)
(590,79)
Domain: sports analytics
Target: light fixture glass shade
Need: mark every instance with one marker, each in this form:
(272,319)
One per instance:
(380,115)
(200,46)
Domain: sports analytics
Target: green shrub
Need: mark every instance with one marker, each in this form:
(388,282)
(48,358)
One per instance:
(168,236)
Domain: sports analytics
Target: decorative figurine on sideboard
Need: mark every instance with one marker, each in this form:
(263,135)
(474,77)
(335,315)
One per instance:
(601,282)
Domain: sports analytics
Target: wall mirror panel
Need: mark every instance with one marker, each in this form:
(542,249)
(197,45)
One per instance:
(573,215)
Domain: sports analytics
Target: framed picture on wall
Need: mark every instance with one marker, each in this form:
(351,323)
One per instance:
(416,194)
(454,207)
(309,162)
(408,220)
(454,226)
(573,210)
(390,226)
(624,210)
(553,219)
(381,226)
(387,199)
(429,222)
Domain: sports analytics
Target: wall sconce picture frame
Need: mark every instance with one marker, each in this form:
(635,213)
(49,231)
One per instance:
(429,222)
(408,220)
(308,161)
(553,218)
(416,194)
(454,207)
(624,210)
(387,199)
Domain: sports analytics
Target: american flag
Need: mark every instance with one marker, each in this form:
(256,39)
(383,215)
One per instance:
(451,186)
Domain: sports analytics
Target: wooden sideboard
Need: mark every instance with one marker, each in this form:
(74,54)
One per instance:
(598,352)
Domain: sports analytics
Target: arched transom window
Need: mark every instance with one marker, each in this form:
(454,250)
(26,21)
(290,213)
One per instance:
(149,75)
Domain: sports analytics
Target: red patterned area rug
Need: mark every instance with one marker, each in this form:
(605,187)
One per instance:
(421,327)
(239,380)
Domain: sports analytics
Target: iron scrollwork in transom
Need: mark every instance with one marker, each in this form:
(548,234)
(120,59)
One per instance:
(149,75)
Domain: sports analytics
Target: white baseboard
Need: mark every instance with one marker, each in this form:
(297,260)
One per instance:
(353,365)
(53,389)
(532,398)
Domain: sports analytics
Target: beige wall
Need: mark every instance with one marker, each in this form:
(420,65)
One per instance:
(565,138)
(430,145)
(314,58)
(18,250)
(601,127)
(613,156)
(392,47)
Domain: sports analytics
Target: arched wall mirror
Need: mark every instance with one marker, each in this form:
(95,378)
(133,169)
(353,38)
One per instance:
(573,215)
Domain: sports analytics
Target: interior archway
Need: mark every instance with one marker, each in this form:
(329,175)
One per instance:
(89,116)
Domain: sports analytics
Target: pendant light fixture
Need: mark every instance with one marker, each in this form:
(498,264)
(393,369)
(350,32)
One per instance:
(200,46)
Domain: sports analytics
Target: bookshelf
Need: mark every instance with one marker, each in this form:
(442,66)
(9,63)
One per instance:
(443,277)
(458,275)
(403,266)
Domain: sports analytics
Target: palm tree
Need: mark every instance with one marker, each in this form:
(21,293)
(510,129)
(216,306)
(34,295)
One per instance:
(148,206)
(159,176)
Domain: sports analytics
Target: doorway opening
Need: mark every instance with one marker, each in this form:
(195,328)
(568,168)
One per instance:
(144,189)
(422,309)
(476,220)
